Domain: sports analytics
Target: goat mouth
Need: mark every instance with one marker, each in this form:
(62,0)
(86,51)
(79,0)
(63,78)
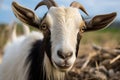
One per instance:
(63,67)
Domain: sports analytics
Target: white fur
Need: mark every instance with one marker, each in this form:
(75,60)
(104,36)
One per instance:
(52,73)
(15,57)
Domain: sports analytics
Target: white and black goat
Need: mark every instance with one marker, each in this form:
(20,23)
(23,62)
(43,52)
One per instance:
(49,55)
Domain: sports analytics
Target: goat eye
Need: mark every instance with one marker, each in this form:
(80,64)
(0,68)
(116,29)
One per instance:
(82,29)
(44,27)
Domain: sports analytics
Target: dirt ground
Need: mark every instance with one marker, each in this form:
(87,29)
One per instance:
(96,63)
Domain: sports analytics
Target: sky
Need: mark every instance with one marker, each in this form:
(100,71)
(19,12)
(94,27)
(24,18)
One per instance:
(93,7)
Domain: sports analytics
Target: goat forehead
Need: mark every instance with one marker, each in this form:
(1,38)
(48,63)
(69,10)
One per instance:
(64,15)
(64,11)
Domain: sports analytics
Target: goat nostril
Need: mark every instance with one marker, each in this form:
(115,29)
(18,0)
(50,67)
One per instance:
(60,54)
(64,55)
(69,54)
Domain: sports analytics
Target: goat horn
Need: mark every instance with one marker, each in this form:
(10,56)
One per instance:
(54,3)
(78,5)
(48,3)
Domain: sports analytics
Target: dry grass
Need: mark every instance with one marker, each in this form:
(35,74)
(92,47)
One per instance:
(97,63)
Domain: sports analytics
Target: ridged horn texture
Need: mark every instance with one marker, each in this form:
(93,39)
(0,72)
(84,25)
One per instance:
(48,3)
(79,6)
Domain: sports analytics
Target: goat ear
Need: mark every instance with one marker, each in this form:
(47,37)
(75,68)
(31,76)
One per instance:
(99,22)
(25,15)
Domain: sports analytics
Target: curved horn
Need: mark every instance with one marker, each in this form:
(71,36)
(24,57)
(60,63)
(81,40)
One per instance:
(48,3)
(54,3)
(78,5)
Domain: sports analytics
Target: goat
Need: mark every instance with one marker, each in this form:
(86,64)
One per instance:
(50,53)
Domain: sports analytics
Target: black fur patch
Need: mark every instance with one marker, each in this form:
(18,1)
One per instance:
(48,45)
(78,43)
(36,59)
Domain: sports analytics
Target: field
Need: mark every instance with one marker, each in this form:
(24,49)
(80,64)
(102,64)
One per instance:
(98,58)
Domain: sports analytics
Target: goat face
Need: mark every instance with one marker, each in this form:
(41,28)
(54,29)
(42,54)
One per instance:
(63,26)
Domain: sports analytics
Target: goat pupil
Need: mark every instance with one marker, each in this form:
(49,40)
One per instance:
(44,27)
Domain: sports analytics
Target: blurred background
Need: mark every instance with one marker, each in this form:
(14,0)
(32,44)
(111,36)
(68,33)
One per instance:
(109,37)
